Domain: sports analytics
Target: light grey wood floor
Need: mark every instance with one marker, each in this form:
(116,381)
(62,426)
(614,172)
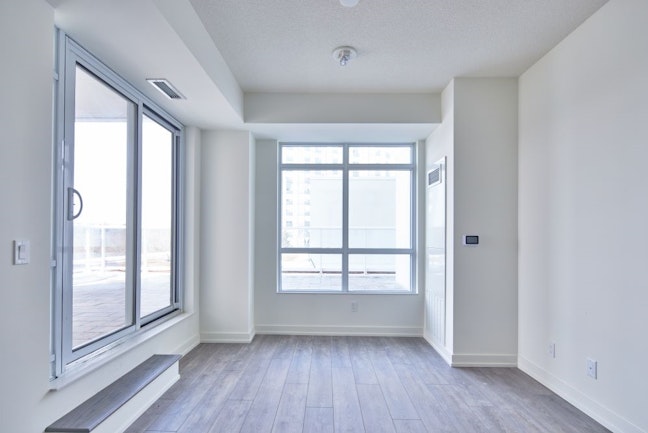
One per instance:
(285,384)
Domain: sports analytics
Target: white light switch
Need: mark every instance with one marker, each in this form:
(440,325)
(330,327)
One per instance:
(21,252)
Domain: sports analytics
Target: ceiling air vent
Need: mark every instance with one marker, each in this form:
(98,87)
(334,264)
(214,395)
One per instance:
(165,87)
(434,176)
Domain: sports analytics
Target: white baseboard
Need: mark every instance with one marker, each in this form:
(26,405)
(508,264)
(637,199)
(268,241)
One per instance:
(365,331)
(441,350)
(227,337)
(187,346)
(483,360)
(119,421)
(604,416)
(473,359)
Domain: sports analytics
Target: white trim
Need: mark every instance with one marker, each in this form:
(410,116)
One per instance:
(441,350)
(93,362)
(601,414)
(227,337)
(344,250)
(365,331)
(484,360)
(187,346)
(473,359)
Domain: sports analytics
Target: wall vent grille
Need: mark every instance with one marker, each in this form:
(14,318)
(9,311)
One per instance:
(434,176)
(164,86)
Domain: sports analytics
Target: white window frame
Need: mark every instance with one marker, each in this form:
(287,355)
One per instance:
(345,251)
(63,357)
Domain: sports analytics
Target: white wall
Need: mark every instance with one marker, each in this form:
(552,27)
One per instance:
(25,119)
(26,404)
(485,204)
(480,139)
(315,313)
(227,236)
(582,216)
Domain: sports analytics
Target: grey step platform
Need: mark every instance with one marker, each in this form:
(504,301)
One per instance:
(89,414)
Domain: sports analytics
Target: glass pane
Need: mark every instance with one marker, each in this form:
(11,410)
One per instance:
(379,209)
(379,272)
(157,210)
(311,272)
(101,141)
(311,209)
(311,154)
(380,155)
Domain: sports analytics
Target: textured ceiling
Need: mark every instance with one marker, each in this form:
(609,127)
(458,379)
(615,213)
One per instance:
(403,45)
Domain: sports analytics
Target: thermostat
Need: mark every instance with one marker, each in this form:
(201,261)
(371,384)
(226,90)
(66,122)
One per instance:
(471,240)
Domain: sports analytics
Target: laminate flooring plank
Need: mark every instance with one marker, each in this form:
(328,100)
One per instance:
(255,370)
(509,410)
(434,369)
(474,392)
(410,426)
(347,416)
(292,407)
(398,350)
(320,392)
(211,356)
(141,424)
(319,420)
(566,415)
(398,401)
(182,407)
(260,418)
(375,414)
(299,371)
(340,352)
(455,412)
(231,417)
(423,400)
(192,370)
(285,346)
(245,354)
(190,356)
(363,370)
(503,419)
(201,419)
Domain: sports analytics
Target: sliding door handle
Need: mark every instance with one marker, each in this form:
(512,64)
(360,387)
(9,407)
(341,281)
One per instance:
(71,193)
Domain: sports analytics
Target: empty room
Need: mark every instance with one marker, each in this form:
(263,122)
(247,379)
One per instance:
(324,216)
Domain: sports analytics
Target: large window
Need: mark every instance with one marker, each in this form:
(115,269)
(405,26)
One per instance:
(117,213)
(347,219)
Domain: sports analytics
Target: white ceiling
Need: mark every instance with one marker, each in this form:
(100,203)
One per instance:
(403,45)
(215,51)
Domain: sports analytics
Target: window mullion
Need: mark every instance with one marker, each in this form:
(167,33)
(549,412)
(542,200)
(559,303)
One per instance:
(177,245)
(135,173)
(345,218)
(67,174)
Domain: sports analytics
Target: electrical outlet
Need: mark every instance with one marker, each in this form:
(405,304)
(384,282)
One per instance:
(354,306)
(551,350)
(591,368)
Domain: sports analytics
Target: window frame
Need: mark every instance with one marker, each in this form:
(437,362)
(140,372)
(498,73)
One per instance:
(63,357)
(345,251)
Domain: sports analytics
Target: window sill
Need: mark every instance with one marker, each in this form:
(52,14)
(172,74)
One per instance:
(94,361)
(361,293)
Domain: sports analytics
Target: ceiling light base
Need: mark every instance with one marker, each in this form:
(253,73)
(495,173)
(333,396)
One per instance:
(344,54)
